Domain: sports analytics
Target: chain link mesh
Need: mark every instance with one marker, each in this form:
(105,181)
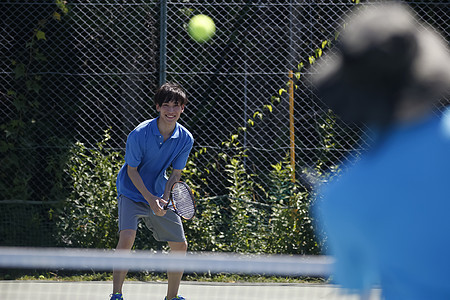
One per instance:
(97,65)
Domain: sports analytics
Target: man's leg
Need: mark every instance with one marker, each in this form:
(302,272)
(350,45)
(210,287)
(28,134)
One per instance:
(174,278)
(126,241)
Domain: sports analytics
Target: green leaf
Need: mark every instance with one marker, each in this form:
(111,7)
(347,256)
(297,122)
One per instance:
(336,35)
(42,22)
(40,35)
(258,114)
(62,6)
(39,56)
(56,16)
(19,71)
(33,85)
(318,52)
(269,107)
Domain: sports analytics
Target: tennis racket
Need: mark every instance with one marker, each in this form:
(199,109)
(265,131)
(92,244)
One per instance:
(181,200)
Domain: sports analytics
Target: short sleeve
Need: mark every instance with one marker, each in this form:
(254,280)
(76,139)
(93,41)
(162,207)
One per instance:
(133,151)
(181,159)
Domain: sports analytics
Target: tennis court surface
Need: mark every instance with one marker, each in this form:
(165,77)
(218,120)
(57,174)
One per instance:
(35,290)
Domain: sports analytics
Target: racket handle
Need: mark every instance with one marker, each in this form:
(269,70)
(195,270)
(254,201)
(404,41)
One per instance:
(166,207)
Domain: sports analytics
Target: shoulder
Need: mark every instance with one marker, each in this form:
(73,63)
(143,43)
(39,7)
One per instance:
(143,128)
(185,134)
(145,125)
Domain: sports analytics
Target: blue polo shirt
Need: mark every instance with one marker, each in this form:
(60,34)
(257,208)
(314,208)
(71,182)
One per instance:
(146,150)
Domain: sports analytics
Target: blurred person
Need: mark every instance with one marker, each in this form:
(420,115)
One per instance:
(386,217)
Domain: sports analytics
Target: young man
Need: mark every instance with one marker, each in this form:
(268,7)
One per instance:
(143,187)
(386,216)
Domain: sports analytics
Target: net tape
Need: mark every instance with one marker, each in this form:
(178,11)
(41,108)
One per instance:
(86,259)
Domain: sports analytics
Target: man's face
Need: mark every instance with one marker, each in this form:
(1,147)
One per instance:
(170,112)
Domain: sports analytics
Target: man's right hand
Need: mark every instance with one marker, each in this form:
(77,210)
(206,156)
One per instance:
(157,205)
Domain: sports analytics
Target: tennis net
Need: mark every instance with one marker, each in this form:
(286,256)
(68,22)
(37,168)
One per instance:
(60,274)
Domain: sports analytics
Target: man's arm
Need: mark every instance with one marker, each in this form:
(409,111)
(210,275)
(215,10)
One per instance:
(154,202)
(174,177)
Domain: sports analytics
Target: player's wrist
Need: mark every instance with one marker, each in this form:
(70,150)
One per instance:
(151,199)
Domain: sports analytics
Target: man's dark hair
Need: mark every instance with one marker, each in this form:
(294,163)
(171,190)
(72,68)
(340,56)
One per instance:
(169,92)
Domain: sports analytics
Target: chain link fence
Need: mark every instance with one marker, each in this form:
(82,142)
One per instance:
(82,70)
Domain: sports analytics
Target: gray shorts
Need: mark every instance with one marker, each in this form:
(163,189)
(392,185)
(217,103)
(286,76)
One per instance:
(167,228)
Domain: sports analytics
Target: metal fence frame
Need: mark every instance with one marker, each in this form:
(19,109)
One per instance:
(68,76)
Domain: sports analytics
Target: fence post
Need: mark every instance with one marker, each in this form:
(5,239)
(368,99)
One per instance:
(291,123)
(162,42)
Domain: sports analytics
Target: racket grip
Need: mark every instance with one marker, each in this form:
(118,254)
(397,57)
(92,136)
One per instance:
(166,207)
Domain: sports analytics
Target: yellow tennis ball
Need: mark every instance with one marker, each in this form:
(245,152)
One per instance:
(201,28)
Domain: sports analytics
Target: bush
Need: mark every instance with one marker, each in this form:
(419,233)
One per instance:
(241,221)
(291,227)
(88,218)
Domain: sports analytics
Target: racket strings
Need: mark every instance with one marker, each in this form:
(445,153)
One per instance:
(183,201)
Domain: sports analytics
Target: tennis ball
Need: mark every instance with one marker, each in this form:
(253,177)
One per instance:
(201,28)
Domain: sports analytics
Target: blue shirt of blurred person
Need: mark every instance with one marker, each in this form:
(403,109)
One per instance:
(388,217)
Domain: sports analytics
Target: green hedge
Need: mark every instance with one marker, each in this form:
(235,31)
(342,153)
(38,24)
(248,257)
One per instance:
(240,221)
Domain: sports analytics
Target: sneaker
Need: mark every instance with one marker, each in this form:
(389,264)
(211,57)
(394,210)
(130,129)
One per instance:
(176,298)
(116,296)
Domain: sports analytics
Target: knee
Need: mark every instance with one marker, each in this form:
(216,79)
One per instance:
(126,239)
(185,246)
(178,246)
